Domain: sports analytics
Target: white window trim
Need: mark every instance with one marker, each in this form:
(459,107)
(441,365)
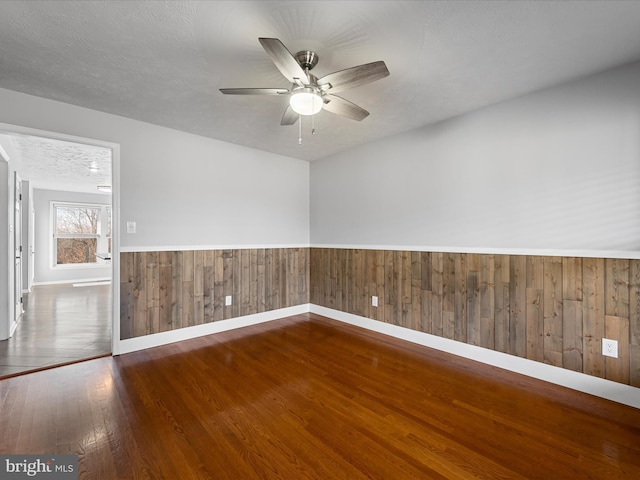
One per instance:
(103,239)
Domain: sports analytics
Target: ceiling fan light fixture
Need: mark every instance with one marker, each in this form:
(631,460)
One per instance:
(306,101)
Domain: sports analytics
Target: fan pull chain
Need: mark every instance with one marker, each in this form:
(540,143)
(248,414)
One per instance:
(313,128)
(300,130)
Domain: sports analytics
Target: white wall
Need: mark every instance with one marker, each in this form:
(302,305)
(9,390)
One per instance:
(557,169)
(184,190)
(43,272)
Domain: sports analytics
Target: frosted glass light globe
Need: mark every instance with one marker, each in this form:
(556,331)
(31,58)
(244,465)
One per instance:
(306,102)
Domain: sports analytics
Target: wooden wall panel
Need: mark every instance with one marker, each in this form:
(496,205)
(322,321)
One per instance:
(634,301)
(534,317)
(549,309)
(437,294)
(634,322)
(487,301)
(502,316)
(617,287)
(593,274)
(618,368)
(517,302)
(552,292)
(162,291)
(572,322)
(634,365)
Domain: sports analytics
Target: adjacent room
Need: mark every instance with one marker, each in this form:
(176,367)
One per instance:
(61,227)
(372,239)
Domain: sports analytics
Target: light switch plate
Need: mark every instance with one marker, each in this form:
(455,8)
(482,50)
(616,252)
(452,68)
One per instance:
(131,227)
(374,301)
(227,300)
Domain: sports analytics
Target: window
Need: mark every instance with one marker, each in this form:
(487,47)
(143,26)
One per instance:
(79,232)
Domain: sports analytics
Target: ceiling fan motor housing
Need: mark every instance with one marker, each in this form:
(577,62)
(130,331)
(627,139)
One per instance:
(307,59)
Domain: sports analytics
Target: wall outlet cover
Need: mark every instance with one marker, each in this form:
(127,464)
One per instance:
(227,300)
(609,348)
(374,301)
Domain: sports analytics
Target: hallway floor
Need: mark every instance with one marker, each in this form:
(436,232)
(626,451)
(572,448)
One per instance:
(61,324)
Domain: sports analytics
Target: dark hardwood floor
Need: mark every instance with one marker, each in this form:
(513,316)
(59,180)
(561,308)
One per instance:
(310,398)
(61,324)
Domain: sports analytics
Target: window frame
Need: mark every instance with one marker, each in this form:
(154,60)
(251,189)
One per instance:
(102,236)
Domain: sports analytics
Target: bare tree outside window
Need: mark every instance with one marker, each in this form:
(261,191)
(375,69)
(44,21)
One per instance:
(76,233)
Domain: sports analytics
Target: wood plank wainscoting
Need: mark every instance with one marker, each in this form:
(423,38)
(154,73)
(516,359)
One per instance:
(168,290)
(554,310)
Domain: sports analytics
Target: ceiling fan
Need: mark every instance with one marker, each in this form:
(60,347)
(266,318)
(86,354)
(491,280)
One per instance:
(309,94)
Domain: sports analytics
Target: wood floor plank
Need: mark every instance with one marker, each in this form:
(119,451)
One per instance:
(61,324)
(306,397)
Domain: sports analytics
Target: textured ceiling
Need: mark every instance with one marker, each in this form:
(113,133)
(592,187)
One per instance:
(163,62)
(60,165)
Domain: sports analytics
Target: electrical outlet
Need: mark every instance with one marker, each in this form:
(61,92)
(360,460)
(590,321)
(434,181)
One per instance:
(374,301)
(227,300)
(610,348)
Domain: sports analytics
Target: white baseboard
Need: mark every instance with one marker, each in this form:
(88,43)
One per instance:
(92,284)
(82,280)
(581,382)
(12,328)
(155,340)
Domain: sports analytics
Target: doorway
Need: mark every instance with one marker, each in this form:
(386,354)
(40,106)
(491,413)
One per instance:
(64,271)
(17,243)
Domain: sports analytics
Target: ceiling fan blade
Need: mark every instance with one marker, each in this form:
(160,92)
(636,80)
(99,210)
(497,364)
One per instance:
(254,91)
(355,76)
(290,117)
(340,106)
(286,63)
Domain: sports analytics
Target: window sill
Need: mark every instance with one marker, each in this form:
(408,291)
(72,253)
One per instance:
(80,266)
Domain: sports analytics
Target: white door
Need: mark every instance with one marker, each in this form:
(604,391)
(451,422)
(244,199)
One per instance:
(17,229)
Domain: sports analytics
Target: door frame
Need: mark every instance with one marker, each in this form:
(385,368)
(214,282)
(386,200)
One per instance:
(18,242)
(115,216)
